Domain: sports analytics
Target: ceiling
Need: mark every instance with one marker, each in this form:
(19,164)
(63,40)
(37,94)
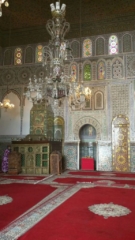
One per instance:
(23,22)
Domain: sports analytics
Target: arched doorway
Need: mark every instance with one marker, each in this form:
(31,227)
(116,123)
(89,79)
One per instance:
(87,135)
(76,130)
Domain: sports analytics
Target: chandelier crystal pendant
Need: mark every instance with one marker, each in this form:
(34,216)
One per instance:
(56,85)
(6,3)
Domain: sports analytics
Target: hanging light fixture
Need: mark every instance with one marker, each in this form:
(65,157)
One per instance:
(6,103)
(6,3)
(56,85)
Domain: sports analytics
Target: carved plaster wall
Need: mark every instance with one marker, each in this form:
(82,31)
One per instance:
(86,120)
(132,156)
(104,158)
(118,89)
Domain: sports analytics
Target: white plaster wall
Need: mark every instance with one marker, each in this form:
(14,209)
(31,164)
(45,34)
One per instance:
(26,117)
(10,119)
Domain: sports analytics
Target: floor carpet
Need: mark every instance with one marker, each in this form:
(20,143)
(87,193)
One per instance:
(96,173)
(24,197)
(22,177)
(70,180)
(73,219)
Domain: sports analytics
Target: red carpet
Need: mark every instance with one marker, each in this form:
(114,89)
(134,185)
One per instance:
(110,174)
(75,180)
(24,197)
(23,177)
(73,220)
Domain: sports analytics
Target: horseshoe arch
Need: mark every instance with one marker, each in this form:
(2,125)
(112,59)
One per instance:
(87,120)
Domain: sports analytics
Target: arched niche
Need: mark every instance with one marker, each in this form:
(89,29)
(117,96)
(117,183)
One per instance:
(100,46)
(87,134)
(127,43)
(87,71)
(101,69)
(29,55)
(58,128)
(98,100)
(83,121)
(15,92)
(75,45)
(10,121)
(87,48)
(113,45)
(8,55)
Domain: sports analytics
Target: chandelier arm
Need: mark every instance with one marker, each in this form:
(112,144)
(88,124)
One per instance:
(65,28)
(50,27)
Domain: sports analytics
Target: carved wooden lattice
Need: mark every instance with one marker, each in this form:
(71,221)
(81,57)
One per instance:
(55,162)
(14,163)
(34,156)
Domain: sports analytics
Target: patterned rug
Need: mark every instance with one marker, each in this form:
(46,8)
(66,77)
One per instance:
(98,173)
(16,199)
(95,213)
(77,207)
(19,177)
(74,180)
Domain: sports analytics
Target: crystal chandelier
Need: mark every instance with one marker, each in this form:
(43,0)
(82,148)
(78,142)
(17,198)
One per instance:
(56,85)
(6,3)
